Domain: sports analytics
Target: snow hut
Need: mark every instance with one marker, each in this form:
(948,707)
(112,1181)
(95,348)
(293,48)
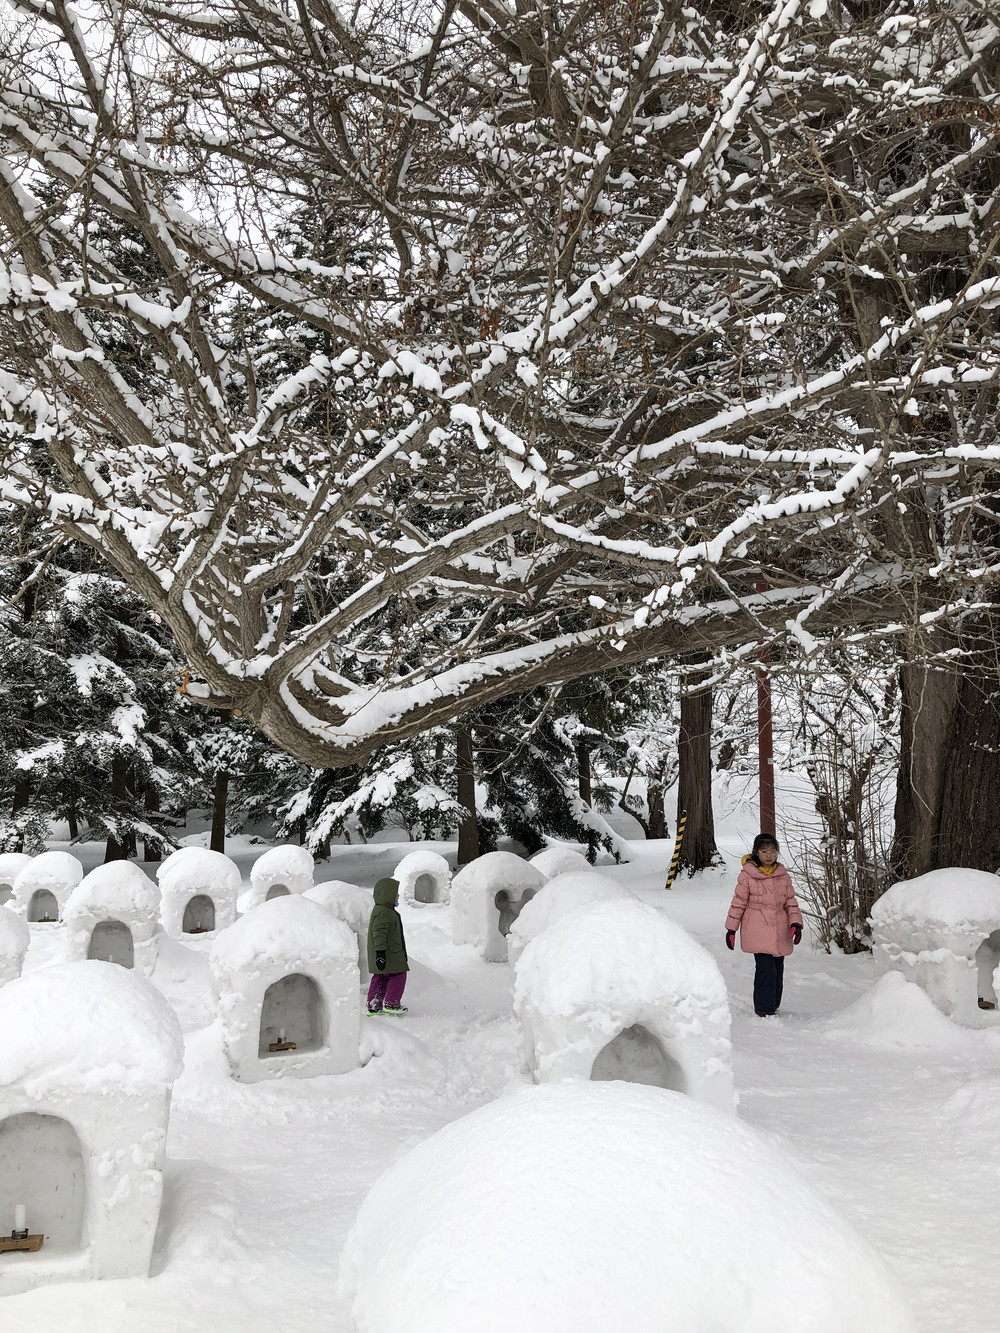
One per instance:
(486,896)
(281,871)
(559,860)
(636,1209)
(90,1052)
(10,864)
(561,895)
(423,877)
(616,990)
(942,931)
(286,980)
(111,915)
(42,887)
(14,940)
(198,891)
(351,904)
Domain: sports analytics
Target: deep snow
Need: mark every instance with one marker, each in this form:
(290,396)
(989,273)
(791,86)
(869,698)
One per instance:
(263,1181)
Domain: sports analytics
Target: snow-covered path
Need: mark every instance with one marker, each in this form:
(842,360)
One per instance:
(264,1179)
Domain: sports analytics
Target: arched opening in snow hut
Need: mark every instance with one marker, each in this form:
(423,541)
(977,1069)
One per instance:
(111,942)
(510,907)
(6,892)
(987,961)
(635,1056)
(199,915)
(277,891)
(424,889)
(43,906)
(292,1012)
(41,1166)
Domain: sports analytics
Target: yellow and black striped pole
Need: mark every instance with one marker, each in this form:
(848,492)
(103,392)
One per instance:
(675,859)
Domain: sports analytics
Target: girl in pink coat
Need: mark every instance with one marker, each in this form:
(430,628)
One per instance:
(767,916)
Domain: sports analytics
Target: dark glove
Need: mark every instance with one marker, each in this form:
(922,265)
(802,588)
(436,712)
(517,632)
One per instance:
(730,939)
(380,961)
(796,933)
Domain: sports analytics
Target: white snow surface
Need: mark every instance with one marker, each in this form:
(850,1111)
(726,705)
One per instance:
(58,872)
(953,906)
(87,1025)
(197,869)
(474,916)
(562,894)
(896,1014)
(10,864)
(348,902)
(422,862)
(555,860)
(120,890)
(14,940)
(600,1207)
(289,865)
(292,931)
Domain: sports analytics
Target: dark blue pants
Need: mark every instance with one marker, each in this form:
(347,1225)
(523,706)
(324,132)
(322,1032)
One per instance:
(767,983)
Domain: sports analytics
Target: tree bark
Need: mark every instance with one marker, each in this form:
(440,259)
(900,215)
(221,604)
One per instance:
(218,842)
(465,768)
(657,807)
(150,852)
(694,781)
(116,849)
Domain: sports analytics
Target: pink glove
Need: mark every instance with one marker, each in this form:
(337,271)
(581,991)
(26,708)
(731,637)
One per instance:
(796,933)
(730,939)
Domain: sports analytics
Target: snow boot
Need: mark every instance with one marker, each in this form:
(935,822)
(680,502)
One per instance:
(394,1010)
(374,1007)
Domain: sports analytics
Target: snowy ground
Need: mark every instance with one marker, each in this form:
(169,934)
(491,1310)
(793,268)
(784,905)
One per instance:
(264,1179)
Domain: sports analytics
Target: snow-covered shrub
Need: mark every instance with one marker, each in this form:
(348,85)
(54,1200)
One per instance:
(10,864)
(112,915)
(605,1207)
(616,990)
(351,904)
(286,982)
(562,894)
(475,912)
(278,872)
(558,861)
(43,886)
(14,940)
(198,891)
(942,931)
(423,877)
(88,1057)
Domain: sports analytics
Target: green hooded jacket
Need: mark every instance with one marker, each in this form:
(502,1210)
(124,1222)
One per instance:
(385,930)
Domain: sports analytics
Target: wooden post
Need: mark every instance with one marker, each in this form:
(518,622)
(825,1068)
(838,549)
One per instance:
(765,738)
(675,860)
(218,842)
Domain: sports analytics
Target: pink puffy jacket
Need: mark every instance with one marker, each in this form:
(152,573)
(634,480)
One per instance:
(764,910)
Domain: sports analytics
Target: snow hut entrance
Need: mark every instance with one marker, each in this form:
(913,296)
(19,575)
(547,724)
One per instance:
(292,1011)
(111,942)
(199,915)
(635,1056)
(43,906)
(41,1166)
(276,891)
(987,961)
(424,889)
(6,893)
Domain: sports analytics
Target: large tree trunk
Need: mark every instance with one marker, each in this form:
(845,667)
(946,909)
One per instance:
(151,850)
(949,771)
(221,799)
(584,784)
(694,781)
(465,768)
(115,849)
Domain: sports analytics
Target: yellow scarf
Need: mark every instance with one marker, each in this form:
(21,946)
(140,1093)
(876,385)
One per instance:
(764,870)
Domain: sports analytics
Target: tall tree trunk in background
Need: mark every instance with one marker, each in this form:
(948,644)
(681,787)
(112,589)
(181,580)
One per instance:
(585,788)
(465,768)
(949,769)
(657,806)
(694,780)
(115,849)
(218,842)
(151,800)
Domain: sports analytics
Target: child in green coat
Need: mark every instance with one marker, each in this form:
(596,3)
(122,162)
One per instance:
(387,960)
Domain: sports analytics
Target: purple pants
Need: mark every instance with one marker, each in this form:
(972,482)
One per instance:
(387,988)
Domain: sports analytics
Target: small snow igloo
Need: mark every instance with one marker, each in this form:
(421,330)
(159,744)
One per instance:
(423,877)
(286,981)
(42,887)
(554,900)
(616,990)
(351,904)
(14,940)
(90,1052)
(280,872)
(112,915)
(942,931)
(559,860)
(486,897)
(198,891)
(10,865)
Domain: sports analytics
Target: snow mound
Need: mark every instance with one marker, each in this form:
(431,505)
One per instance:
(285,867)
(619,990)
(195,870)
(347,902)
(475,918)
(291,931)
(10,864)
(90,1025)
(559,861)
(896,1014)
(14,940)
(423,877)
(945,906)
(562,894)
(118,892)
(571,1207)
(55,873)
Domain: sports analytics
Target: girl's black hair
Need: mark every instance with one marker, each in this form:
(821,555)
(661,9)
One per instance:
(763,840)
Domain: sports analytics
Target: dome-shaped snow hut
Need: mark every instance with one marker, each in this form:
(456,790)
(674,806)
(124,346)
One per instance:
(556,860)
(942,931)
(90,1052)
(423,877)
(554,900)
(486,897)
(278,873)
(616,990)
(351,904)
(10,864)
(112,915)
(42,887)
(198,891)
(286,980)
(14,940)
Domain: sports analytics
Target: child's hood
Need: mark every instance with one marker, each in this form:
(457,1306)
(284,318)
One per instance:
(386,892)
(755,869)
